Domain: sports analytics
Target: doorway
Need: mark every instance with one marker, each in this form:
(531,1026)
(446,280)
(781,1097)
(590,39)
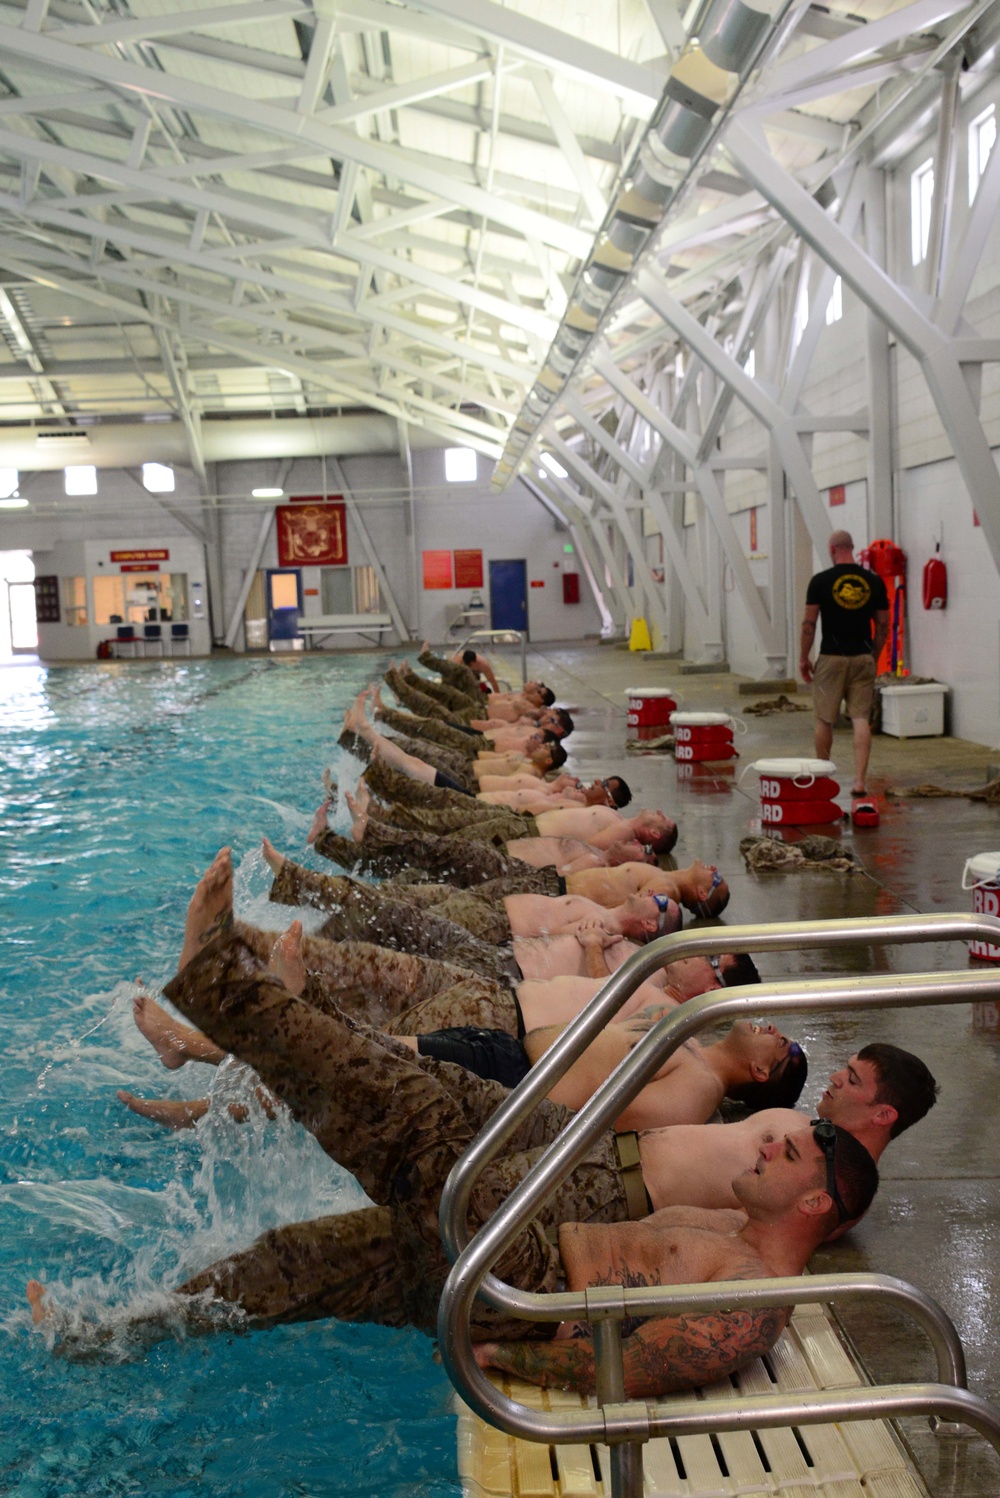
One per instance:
(509,595)
(18,629)
(284,603)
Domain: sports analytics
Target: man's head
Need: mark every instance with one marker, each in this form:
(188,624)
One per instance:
(775,1067)
(654,829)
(469,658)
(557,720)
(709,891)
(548,757)
(882,1087)
(842,547)
(690,976)
(538,694)
(814,1179)
(644,917)
(611,791)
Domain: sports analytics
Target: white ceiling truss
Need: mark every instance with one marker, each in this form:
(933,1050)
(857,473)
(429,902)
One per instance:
(294,205)
(765,207)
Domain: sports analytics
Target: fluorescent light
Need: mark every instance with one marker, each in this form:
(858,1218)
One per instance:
(8,482)
(13,503)
(460,465)
(267,493)
(81,478)
(553,465)
(158,478)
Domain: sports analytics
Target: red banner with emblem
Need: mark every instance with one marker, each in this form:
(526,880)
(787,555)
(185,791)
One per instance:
(312,534)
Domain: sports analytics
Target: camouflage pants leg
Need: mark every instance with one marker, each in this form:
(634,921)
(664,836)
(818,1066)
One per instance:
(433,731)
(397,789)
(485,918)
(394,1123)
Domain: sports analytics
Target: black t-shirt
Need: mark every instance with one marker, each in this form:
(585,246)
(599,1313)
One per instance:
(849,597)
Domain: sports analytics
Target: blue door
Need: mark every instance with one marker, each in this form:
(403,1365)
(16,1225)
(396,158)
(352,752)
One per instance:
(509,595)
(284,602)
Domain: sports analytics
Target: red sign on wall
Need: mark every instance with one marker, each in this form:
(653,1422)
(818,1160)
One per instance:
(838,495)
(158,555)
(468,569)
(312,534)
(139,567)
(437,569)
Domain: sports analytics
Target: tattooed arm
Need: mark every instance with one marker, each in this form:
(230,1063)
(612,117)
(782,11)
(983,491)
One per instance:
(679,1352)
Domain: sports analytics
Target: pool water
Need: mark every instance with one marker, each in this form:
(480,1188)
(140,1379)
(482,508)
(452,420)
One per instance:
(120,782)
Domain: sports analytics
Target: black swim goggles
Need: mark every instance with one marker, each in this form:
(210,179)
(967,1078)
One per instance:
(825,1135)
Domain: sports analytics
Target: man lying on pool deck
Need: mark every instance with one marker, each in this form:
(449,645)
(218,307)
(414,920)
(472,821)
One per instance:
(399,1123)
(752,1063)
(494,920)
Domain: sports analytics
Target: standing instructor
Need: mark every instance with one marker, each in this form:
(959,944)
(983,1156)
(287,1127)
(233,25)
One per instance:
(849,599)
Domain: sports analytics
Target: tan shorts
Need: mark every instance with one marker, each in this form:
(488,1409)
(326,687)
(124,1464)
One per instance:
(843,678)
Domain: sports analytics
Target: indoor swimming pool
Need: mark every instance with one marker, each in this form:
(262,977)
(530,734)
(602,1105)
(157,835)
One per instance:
(120,784)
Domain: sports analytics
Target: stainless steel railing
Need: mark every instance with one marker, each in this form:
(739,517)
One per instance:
(619,1422)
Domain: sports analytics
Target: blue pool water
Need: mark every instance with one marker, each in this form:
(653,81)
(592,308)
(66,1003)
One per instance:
(119,785)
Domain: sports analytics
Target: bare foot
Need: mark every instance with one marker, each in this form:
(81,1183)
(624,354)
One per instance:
(172,1113)
(162,1032)
(359,811)
(274,860)
(211,909)
(286,959)
(319,822)
(40,1302)
(377,702)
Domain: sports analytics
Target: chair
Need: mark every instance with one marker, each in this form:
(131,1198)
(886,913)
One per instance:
(152,636)
(126,641)
(180,639)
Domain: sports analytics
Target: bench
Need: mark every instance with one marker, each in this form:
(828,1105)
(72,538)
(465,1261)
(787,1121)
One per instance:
(317,627)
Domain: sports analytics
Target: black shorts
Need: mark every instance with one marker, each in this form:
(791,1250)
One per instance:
(492,1054)
(445,783)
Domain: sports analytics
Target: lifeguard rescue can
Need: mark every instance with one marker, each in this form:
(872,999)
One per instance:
(982,875)
(702,736)
(797,792)
(649,711)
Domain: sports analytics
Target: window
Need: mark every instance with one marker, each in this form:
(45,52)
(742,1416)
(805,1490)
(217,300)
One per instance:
(553,465)
(8,482)
(336,593)
(801,319)
(982,135)
(751,365)
(835,306)
(460,465)
(81,478)
(367,597)
(75,590)
(921,201)
(158,478)
(140,598)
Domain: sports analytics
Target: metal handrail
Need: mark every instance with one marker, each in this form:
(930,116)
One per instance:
(631,1422)
(707,942)
(503,637)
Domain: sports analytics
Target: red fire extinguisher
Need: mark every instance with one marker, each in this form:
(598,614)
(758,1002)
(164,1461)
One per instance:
(935,582)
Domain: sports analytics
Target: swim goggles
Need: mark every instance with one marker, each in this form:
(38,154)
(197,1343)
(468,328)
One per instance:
(716,881)
(663,903)
(825,1135)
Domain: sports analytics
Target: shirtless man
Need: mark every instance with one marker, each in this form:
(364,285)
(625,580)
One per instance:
(611,790)
(637,920)
(881,1091)
(699,888)
(800,1189)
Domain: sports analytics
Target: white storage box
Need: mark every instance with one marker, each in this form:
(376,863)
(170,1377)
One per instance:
(913,712)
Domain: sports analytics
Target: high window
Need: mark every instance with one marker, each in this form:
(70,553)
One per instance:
(921,201)
(158,478)
(80,478)
(835,306)
(982,136)
(460,465)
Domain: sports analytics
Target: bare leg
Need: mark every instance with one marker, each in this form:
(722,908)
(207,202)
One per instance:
(40,1302)
(211,909)
(823,739)
(172,1040)
(862,751)
(173,1113)
(359,811)
(318,822)
(286,959)
(274,860)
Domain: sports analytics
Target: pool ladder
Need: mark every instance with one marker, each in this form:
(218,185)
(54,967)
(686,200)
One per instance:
(624,1424)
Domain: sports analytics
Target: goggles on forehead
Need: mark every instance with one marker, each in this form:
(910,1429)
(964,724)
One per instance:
(663,903)
(716,881)
(825,1135)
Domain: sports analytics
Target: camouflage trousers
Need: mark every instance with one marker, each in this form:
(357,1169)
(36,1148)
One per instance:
(454,860)
(410,691)
(422,917)
(399,992)
(456,675)
(434,730)
(364,912)
(398,1123)
(463,820)
(391,785)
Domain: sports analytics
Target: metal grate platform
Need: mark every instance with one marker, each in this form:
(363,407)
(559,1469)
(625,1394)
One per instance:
(856,1459)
